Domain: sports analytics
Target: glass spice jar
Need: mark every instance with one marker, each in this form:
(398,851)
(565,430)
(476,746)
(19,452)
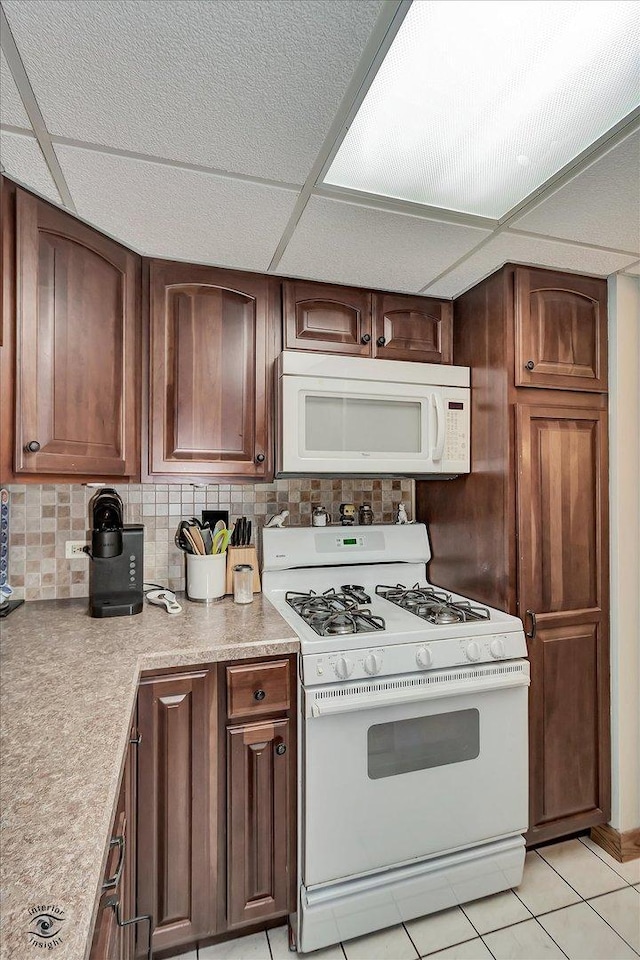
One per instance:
(243,583)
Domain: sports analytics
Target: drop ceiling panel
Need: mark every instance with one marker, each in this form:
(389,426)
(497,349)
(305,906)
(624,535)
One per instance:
(349,243)
(11,107)
(165,211)
(601,205)
(251,87)
(634,269)
(22,159)
(508,247)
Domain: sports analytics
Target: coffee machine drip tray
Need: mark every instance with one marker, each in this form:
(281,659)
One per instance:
(116,605)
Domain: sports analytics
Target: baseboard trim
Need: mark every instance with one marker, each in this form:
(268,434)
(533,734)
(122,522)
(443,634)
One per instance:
(622,846)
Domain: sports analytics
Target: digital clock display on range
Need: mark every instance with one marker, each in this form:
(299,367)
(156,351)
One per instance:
(351,541)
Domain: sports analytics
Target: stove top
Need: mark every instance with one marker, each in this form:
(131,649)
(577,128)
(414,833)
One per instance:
(353,597)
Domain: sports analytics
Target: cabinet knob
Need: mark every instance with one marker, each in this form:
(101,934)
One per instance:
(281,749)
(259,695)
(381,341)
(137,740)
(260,458)
(32,446)
(365,338)
(529,364)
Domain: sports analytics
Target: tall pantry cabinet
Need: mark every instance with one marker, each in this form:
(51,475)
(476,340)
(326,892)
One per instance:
(527,529)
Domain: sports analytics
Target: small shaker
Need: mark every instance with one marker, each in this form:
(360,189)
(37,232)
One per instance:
(365,514)
(319,517)
(242,583)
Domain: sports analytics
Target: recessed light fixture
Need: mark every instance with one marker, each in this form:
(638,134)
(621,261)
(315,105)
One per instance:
(478,102)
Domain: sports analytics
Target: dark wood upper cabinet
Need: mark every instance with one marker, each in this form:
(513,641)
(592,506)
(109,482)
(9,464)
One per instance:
(326,319)
(210,372)
(359,323)
(561,331)
(177,772)
(77,348)
(412,328)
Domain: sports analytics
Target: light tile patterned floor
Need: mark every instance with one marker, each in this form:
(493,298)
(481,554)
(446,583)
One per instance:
(575,901)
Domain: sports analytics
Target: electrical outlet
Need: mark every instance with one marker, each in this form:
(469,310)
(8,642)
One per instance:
(74,549)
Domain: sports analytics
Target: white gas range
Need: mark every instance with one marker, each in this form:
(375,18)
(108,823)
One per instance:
(413,731)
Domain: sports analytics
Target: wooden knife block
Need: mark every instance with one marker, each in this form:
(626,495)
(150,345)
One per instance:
(242,555)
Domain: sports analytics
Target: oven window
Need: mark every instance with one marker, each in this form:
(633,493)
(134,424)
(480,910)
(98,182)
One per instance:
(422,742)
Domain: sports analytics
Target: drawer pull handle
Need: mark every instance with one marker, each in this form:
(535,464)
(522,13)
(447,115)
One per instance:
(114,903)
(137,740)
(113,881)
(281,749)
(259,695)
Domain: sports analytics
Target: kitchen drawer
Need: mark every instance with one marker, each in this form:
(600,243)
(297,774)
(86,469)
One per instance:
(257,689)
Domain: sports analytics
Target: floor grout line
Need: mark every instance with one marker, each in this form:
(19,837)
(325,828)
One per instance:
(551,938)
(571,885)
(602,860)
(617,932)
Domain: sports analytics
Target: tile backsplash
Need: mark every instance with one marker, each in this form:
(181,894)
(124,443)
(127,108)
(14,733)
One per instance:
(43,518)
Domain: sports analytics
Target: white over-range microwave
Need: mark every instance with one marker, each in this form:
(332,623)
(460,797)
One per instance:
(355,416)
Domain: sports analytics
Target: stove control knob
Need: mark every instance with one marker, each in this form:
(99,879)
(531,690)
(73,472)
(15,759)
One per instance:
(473,651)
(424,657)
(372,664)
(497,648)
(344,668)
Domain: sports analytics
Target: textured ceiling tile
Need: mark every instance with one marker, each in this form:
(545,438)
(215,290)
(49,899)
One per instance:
(600,205)
(23,160)
(166,211)
(251,86)
(12,110)
(348,243)
(634,269)
(507,247)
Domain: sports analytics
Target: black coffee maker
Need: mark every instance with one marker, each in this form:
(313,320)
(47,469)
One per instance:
(116,575)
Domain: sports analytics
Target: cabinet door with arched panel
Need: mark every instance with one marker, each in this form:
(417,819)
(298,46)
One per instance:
(325,318)
(412,328)
(560,331)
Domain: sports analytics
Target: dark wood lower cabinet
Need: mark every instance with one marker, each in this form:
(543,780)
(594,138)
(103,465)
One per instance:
(260,785)
(113,940)
(216,801)
(176,808)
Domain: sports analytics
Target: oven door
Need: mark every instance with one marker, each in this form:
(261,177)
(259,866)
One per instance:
(409,767)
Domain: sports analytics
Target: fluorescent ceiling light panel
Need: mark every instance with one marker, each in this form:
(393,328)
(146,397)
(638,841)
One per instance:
(478,103)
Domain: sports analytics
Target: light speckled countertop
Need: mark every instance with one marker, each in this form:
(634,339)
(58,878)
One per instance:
(68,693)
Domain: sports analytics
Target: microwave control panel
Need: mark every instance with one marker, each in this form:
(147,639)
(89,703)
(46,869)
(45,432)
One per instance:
(457,430)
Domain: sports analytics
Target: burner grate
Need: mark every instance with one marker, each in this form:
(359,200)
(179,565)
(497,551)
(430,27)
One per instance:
(332,613)
(432,605)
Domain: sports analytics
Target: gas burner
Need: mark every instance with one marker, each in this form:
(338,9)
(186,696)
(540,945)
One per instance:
(358,593)
(310,603)
(432,605)
(347,622)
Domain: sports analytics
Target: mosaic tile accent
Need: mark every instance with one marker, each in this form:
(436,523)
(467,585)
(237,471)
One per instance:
(44,517)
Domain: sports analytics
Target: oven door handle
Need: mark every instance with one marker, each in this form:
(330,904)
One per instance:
(348,703)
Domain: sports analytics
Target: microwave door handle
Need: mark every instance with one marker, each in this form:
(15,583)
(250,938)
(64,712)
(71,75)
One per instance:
(438,407)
